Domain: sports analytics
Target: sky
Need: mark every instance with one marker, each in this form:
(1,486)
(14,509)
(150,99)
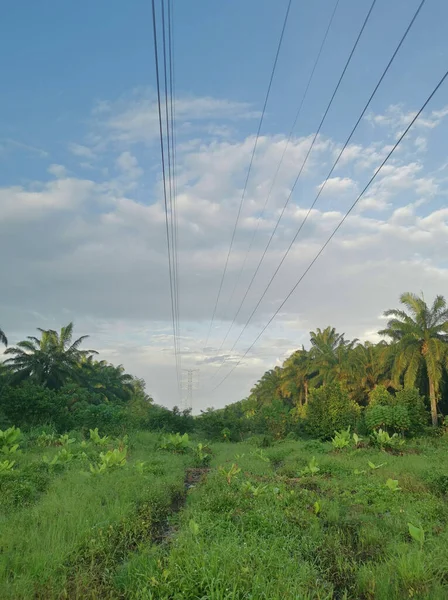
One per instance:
(82,234)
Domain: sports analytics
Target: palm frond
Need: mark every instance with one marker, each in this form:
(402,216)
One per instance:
(3,338)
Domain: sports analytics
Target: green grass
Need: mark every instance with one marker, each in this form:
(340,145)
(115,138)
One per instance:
(267,528)
(285,535)
(69,537)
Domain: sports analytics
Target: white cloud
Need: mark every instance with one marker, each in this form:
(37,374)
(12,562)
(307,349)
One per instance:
(135,119)
(20,204)
(397,117)
(128,164)
(7,145)
(338,185)
(82,151)
(58,171)
(95,251)
(420,143)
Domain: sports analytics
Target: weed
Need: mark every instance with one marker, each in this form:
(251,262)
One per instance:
(392,484)
(194,527)
(341,439)
(176,443)
(261,455)
(385,441)
(202,455)
(6,466)
(312,468)
(9,440)
(231,473)
(97,439)
(417,534)
(109,460)
(65,440)
(373,466)
(357,439)
(46,439)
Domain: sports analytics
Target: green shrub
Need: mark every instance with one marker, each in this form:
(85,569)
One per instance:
(202,455)
(383,440)
(109,460)
(394,418)
(176,443)
(379,396)
(23,487)
(95,437)
(341,439)
(411,399)
(330,408)
(30,405)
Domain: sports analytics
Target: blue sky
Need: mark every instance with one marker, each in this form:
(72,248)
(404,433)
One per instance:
(80,195)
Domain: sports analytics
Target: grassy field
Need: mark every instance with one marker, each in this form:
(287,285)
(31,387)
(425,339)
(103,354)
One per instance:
(296,520)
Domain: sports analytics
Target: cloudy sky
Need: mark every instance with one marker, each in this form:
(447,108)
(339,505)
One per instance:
(82,233)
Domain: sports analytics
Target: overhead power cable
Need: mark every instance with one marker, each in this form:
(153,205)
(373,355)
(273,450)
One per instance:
(249,170)
(341,222)
(268,197)
(322,187)
(174,171)
(282,212)
(166,176)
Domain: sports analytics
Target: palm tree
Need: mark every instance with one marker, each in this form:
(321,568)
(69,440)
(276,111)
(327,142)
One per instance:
(3,338)
(330,352)
(370,365)
(421,342)
(266,390)
(50,360)
(296,376)
(112,382)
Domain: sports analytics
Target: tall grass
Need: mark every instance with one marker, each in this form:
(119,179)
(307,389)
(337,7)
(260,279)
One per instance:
(274,532)
(78,512)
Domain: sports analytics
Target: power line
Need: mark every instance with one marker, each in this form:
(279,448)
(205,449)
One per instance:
(168,128)
(167,195)
(341,222)
(174,222)
(249,170)
(271,237)
(296,118)
(322,187)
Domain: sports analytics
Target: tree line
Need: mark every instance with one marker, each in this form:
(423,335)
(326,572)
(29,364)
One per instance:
(52,380)
(399,384)
(353,377)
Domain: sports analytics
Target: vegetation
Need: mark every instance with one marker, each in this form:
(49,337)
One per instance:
(400,385)
(421,339)
(328,482)
(326,527)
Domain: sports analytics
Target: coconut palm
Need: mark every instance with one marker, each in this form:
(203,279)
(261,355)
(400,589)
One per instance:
(50,360)
(3,338)
(421,336)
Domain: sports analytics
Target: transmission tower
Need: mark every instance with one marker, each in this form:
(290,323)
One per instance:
(190,382)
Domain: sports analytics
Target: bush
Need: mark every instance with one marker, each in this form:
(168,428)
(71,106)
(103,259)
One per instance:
(330,408)
(30,405)
(21,488)
(411,399)
(392,418)
(379,396)
(176,443)
(404,411)
(110,418)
